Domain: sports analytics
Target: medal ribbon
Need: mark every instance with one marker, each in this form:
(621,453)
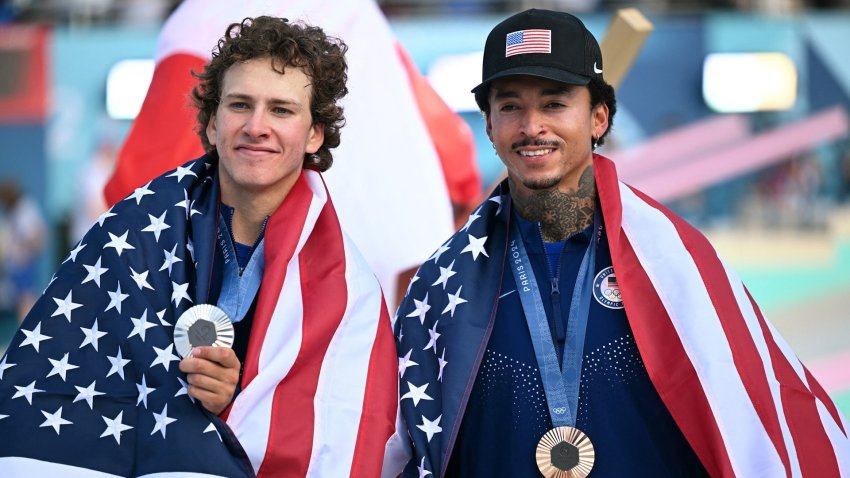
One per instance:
(560,382)
(238,292)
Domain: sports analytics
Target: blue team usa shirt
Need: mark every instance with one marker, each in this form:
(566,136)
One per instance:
(632,432)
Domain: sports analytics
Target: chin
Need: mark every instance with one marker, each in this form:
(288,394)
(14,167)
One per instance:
(540,183)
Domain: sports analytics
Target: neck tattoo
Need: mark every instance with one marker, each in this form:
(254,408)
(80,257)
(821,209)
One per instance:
(560,214)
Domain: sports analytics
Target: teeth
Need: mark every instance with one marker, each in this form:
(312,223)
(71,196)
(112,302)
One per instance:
(535,153)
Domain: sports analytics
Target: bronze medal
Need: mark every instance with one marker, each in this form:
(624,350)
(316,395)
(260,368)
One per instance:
(203,324)
(565,452)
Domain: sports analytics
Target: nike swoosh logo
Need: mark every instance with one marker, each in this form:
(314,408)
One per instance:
(596,70)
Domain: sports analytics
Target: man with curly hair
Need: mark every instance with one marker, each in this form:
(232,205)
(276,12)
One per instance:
(309,385)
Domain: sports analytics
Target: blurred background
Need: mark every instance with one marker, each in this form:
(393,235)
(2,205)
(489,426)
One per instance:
(735,114)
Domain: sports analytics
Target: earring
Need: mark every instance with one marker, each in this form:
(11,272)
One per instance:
(595,142)
(493,145)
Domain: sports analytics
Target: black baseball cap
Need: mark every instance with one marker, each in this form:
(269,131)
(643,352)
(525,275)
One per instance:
(543,43)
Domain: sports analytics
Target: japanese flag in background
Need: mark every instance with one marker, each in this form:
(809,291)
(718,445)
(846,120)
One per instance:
(404,153)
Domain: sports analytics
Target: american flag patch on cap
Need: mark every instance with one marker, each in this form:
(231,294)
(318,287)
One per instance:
(528,41)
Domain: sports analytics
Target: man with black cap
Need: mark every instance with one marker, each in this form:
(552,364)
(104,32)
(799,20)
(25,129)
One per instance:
(575,326)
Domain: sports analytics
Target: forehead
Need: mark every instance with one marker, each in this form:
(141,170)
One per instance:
(262,77)
(517,84)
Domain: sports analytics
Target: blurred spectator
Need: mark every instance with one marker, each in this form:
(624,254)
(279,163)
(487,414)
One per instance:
(24,238)
(90,203)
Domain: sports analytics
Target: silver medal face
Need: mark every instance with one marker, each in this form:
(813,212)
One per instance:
(203,324)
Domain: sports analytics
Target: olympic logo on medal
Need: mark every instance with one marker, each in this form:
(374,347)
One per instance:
(606,289)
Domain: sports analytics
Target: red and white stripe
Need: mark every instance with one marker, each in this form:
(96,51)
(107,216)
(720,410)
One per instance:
(743,400)
(319,388)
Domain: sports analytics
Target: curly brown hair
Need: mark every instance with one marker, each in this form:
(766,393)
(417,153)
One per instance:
(288,44)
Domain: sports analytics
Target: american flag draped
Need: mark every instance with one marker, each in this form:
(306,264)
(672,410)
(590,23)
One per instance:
(743,400)
(91,382)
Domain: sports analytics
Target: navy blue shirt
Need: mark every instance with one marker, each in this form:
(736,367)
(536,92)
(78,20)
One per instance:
(632,432)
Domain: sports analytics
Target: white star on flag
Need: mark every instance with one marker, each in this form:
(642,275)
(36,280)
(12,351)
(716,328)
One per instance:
(434,335)
(61,367)
(161,316)
(439,252)
(144,391)
(184,390)
(187,205)
(34,337)
(95,272)
(179,293)
(119,243)
(114,427)
(170,259)
(422,308)
(87,394)
(182,172)
(470,220)
(410,284)
(141,279)
(64,307)
(190,246)
(157,225)
(115,299)
(416,393)
(443,363)
(454,301)
(445,274)
(52,278)
(26,392)
(404,362)
(118,362)
(165,356)
(54,420)
(475,246)
(103,217)
(4,366)
(212,428)
(72,256)
(430,428)
(140,325)
(162,421)
(421,468)
(497,200)
(139,193)
(92,335)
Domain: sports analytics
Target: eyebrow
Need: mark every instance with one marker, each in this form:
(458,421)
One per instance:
(273,101)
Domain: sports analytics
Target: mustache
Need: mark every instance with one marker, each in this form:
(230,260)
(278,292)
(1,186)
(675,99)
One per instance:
(536,142)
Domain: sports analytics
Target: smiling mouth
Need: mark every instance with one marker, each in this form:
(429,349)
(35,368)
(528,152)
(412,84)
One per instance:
(532,154)
(254,149)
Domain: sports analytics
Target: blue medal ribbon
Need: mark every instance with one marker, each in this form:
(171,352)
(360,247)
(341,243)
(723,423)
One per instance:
(561,382)
(238,291)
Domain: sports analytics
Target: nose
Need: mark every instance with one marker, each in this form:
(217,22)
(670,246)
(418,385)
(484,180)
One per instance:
(532,123)
(255,124)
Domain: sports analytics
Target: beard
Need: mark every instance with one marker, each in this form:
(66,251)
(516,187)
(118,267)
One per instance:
(541,183)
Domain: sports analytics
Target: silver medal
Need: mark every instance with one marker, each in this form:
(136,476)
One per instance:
(203,324)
